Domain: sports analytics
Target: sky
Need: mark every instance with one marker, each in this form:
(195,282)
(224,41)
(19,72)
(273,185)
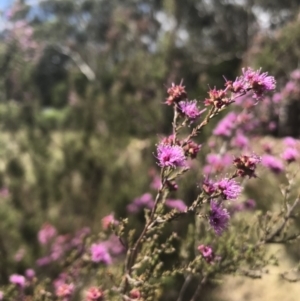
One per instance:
(4,4)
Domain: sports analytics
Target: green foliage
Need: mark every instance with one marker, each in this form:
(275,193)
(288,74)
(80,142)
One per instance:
(278,53)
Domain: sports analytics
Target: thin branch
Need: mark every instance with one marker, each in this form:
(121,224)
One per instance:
(285,239)
(199,288)
(289,279)
(186,283)
(80,63)
(288,215)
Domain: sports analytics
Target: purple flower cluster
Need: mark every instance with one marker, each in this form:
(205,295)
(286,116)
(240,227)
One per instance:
(229,188)
(173,153)
(226,125)
(290,155)
(246,165)
(217,98)
(170,155)
(94,294)
(254,80)
(100,253)
(108,220)
(176,94)
(65,291)
(191,149)
(292,87)
(143,201)
(18,280)
(30,274)
(273,163)
(113,245)
(240,140)
(218,218)
(290,142)
(189,109)
(207,253)
(46,233)
(216,163)
(19,255)
(176,204)
(61,245)
(103,251)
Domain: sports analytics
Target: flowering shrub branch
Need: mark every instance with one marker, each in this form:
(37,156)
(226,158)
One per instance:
(172,153)
(209,248)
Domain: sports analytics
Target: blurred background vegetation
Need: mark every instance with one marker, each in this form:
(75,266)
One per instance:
(82,86)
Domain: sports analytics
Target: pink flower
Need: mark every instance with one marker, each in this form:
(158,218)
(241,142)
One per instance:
(176,204)
(191,149)
(78,240)
(19,255)
(229,188)
(206,252)
(113,245)
(18,280)
(46,233)
(272,163)
(277,97)
(208,186)
(240,140)
(272,125)
(100,253)
(44,261)
(61,279)
(258,82)
(290,87)
(190,109)
(107,221)
(59,247)
(145,200)
(290,155)
(176,94)
(238,85)
(267,147)
(156,182)
(65,290)
(94,294)
(218,218)
(226,126)
(295,75)
(249,204)
(30,273)
(217,98)
(4,192)
(135,294)
(246,165)
(247,121)
(217,163)
(290,141)
(170,156)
